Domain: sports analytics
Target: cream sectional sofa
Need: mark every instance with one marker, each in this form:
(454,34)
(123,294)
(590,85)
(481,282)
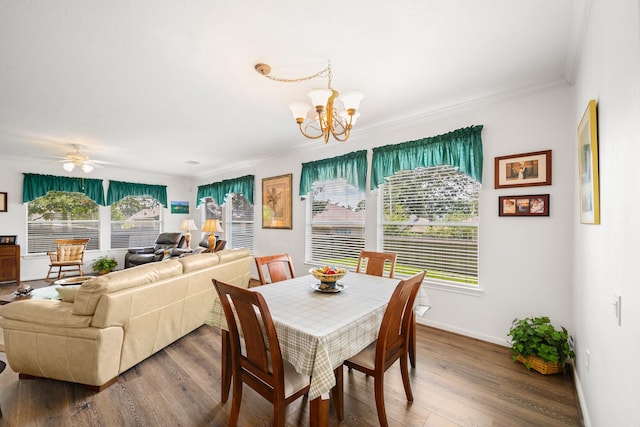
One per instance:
(117,320)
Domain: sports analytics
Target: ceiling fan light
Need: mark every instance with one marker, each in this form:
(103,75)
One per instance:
(68,166)
(87,168)
(351,100)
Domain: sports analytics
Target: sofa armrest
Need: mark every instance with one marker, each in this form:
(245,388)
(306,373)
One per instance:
(147,250)
(43,312)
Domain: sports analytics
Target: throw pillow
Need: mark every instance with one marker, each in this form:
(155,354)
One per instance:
(68,293)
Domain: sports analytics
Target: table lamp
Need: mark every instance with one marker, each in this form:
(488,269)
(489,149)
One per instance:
(188,225)
(212,226)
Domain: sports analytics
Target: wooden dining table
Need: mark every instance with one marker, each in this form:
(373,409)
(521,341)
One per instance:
(317,331)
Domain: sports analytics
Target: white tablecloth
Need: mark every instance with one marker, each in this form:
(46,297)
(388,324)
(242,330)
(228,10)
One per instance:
(318,331)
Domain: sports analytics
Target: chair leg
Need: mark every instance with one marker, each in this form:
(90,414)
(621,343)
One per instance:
(235,404)
(226,366)
(337,393)
(379,392)
(404,370)
(279,413)
(412,340)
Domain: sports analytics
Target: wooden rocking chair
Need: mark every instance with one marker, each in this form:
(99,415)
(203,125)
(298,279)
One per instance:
(68,256)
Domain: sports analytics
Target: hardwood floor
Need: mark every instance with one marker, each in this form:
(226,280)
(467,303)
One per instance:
(459,381)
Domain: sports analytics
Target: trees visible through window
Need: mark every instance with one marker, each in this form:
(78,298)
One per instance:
(335,229)
(430,219)
(135,221)
(61,215)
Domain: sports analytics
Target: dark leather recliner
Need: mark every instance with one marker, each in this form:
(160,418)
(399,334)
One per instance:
(144,255)
(203,247)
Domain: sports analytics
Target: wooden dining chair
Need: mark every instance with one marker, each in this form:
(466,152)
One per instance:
(258,362)
(392,343)
(68,256)
(374,263)
(279,267)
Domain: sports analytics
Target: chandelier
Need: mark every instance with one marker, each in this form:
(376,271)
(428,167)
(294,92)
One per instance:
(323,118)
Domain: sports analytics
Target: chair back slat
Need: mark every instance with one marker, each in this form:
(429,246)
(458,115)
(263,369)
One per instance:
(374,263)
(279,267)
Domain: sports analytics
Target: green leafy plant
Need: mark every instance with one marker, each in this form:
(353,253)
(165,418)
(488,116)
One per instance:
(536,336)
(104,265)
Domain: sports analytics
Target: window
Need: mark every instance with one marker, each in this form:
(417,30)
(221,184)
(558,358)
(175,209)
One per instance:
(238,220)
(430,219)
(239,224)
(135,221)
(335,231)
(61,215)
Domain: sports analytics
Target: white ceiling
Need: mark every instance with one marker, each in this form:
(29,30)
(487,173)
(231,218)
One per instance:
(153,84)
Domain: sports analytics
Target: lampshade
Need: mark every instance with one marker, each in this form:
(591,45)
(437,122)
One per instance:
(212,226)
(87,168)
(68,166)
(188,224)
(299,110)
(351,100)
(319,97)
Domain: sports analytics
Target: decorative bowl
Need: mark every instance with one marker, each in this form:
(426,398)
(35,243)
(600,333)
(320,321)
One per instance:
(328,276)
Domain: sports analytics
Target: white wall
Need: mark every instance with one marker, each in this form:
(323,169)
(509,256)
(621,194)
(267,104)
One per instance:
(606,254)
(13,222)
(525,264)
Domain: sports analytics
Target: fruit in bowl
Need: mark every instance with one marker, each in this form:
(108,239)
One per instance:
(327,275)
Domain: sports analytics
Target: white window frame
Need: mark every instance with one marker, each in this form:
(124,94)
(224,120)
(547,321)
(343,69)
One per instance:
(431,282)
(346,255)
(61,229)
(140,239)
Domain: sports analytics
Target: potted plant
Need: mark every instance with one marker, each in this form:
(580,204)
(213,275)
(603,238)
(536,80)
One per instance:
(104,265)
(539,345)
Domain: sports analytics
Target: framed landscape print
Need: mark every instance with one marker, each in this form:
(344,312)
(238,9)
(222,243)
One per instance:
(523,170)
(536,205)
(276,202)
(588,166)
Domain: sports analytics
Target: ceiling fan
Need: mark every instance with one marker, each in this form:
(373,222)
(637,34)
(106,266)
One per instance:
(75,158)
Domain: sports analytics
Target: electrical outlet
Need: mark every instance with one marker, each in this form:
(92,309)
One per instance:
(587,359)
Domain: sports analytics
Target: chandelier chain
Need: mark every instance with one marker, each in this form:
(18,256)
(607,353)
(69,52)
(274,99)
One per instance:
(322,73)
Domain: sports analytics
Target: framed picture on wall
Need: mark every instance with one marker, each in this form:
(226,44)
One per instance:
(3,202)
(276,202)
(536,205)
(588,166)
(523,170)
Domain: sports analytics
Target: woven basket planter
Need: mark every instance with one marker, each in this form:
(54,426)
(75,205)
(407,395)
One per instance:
(540,365)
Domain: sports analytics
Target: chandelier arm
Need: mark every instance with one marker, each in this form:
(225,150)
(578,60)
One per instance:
(310,136)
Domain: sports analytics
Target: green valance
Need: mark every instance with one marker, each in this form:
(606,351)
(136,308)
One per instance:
(34,186)
(118,190)
(351,166)
(219,190)
(461,148)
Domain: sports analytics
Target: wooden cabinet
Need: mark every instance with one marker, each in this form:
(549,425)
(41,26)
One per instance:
(10,263)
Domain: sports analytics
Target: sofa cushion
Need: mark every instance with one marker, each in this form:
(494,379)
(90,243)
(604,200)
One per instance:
(227,255)
(91,290)
(52,313)
(198,262)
